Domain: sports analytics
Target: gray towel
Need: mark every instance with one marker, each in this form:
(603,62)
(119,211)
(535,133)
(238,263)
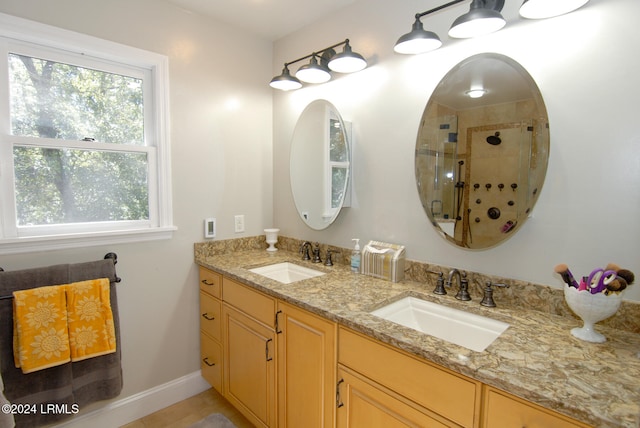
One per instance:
(57,392)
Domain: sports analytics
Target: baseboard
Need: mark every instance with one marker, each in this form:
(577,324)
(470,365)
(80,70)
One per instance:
(128,409)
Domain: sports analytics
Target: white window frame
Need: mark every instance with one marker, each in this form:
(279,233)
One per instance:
(29,37)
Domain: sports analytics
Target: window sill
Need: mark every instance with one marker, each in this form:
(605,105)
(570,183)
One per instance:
(58,242)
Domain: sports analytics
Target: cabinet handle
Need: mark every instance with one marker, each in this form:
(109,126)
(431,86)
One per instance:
(339,402)
(206,361)
(206,282)
(266,349)
(207,317)
(278,331)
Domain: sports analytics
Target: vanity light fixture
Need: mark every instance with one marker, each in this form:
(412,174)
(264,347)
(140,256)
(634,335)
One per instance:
(313,72)
(483,18)
(540,9)
(285,82)
(419,40)
(320,65)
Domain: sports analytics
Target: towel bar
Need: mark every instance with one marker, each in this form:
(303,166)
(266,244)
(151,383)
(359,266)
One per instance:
(112,256)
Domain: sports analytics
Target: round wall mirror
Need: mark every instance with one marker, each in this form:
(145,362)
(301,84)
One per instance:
(482,151)
(319,164)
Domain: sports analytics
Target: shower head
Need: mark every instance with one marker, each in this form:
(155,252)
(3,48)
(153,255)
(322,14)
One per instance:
(494,139)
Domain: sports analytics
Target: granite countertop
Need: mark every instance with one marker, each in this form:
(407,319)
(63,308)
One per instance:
(536,358)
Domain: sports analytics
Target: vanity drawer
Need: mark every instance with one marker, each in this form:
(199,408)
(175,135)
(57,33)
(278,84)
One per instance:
(251,302)
(210,316)
(211,361)
(444,392)
(502,410)
(211,282)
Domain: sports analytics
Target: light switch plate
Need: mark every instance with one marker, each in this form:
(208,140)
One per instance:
(210,228)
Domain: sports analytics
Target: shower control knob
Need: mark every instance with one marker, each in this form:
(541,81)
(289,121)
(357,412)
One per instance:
(514,186)
(488,186)
(493,213)
(476,186)
(501,186)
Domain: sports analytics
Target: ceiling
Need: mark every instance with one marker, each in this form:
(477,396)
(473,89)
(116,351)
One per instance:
(270,19)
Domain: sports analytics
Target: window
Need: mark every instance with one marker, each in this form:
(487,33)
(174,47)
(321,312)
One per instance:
(84,153)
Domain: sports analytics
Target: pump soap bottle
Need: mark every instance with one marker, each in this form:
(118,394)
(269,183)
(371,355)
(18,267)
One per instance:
(355,256)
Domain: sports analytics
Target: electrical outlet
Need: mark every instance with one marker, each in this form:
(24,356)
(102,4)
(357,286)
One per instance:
(239,223)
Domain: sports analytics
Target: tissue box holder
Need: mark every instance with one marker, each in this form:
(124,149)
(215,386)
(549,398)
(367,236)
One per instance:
(383,260)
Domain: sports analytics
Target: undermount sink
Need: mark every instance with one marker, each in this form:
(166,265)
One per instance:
(471,331)
(286,272)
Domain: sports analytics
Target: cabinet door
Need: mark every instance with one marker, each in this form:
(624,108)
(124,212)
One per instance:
(502,410)
(306,368)
(362,403)
(249,368)
(442,391)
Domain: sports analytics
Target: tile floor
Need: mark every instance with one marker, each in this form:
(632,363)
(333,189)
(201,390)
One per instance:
(191,410)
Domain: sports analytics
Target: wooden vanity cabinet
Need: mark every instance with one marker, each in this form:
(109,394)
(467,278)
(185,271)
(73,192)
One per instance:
(283,366)
(503,410)
(249,352)
(279,360)
(306,368)
(211,363)
(376,378)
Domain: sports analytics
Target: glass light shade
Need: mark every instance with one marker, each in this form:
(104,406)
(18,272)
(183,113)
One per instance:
(417,41)
(347,61)
(313,72)
(285,82)
(540,9)
(477,22)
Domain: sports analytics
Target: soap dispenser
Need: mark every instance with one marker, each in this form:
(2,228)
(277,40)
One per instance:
(355,256)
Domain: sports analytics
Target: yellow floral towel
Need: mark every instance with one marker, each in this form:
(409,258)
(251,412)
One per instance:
(61,323)
(91,329)
(41,338)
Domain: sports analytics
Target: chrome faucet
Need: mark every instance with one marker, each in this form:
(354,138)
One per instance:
(304,250)
(463,283)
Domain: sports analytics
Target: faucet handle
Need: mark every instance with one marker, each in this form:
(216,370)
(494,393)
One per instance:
(487,300)
(328,261)
(439,283)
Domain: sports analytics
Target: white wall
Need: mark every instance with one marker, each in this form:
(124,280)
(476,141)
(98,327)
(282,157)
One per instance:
(586,66)
(221,162)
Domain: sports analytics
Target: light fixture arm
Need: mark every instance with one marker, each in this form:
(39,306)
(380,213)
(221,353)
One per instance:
(319,52)
(435,9)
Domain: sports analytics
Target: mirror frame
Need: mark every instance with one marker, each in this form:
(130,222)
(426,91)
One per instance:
(311,168)
(508,217)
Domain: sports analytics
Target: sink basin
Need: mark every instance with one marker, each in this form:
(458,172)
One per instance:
(462,328)
(286,272)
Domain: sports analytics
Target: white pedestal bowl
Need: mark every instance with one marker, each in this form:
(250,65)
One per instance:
(591,308)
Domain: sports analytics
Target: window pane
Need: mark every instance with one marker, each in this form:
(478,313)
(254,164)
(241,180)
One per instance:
(338,180)
(56,100)
(337,143)
(57,186)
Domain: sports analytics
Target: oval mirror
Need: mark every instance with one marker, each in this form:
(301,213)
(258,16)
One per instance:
(319,164)
(482,151)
